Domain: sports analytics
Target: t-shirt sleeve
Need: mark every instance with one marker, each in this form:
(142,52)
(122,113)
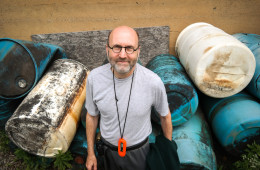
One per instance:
(161,102)
(90,105)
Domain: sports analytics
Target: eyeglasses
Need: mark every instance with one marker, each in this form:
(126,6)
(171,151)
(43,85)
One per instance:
(118,48)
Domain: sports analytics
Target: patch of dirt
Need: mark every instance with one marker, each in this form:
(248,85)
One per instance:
(8,162)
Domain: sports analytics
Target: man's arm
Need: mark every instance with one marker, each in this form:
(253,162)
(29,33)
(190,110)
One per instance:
(166,123)
(91,127)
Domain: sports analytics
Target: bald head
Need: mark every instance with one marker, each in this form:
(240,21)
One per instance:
(122,61)
(123,32)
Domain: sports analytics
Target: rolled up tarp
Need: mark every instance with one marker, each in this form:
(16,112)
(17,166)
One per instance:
(218,64)
(22,64)
(252,41)
(181,93)
(46,120)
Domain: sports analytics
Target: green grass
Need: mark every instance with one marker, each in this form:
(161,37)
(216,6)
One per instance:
(62,160)
(4,142)
(249,160)
(32,162)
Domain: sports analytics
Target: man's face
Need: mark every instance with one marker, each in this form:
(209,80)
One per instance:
(123,62)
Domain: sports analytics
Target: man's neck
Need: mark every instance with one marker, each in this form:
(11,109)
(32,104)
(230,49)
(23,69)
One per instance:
(124,75)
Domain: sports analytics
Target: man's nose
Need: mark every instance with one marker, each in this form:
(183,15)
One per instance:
(122,53)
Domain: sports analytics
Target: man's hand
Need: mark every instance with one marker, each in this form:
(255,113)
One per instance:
(91,163)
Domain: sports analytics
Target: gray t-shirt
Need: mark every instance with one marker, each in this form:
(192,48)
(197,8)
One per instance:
(148,90)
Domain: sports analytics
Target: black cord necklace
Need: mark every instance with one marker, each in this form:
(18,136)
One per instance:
(122,142)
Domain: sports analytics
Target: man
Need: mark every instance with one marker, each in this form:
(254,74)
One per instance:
(122,94)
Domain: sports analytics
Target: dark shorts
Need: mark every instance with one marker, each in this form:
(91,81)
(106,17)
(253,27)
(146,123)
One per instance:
(134,158)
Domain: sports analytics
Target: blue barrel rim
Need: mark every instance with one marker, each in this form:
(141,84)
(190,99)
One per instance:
(35,66)
(4,103)
(218,105)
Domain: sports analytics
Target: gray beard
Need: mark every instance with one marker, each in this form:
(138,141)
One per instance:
(117,69)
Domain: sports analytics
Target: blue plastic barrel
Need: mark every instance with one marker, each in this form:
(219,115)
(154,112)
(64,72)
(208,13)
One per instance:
(194,143)
(235,120)
(182,96)
(252,41)
(22,64)
(7,108)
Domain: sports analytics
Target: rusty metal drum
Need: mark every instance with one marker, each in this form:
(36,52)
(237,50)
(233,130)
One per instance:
(195,145)
(22,64)
(182,96)
(47,119)
(218,64)
(252,41)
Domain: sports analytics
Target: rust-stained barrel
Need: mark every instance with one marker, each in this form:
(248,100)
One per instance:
(22,63)
(194,142)
(218,64)
(181,93)
(47,119)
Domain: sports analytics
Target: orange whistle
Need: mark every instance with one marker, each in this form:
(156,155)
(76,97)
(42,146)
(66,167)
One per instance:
(121,147)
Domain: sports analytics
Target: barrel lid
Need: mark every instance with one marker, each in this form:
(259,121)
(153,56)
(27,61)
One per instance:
(225,70)
(18,69)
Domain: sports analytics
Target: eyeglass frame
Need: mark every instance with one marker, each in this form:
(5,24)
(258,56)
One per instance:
(124,48)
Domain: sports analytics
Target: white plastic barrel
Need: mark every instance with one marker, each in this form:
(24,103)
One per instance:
(47,119)
(218,64)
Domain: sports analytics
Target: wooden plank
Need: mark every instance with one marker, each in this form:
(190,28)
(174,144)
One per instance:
(21,19)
